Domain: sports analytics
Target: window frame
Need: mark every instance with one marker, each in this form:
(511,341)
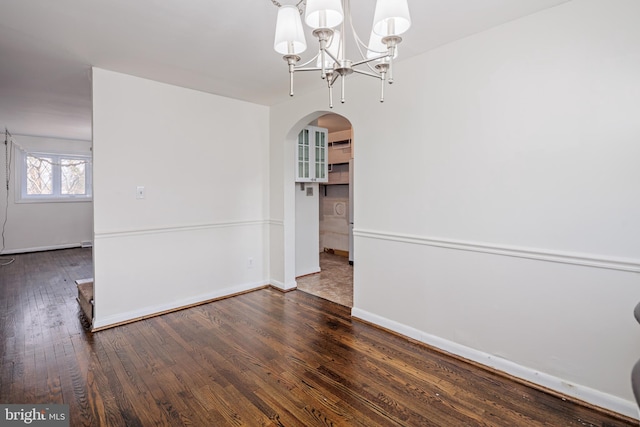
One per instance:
(21,195)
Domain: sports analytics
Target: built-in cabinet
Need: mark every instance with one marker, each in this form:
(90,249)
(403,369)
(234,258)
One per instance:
(311,155)
(323,157)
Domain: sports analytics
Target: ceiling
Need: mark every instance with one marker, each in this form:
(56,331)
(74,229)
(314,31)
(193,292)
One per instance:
(47,49)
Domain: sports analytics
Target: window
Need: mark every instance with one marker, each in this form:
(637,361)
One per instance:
(54,177)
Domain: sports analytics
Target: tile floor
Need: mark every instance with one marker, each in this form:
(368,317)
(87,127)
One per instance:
(334,282)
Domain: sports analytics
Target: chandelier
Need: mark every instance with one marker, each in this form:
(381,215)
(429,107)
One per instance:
(328,20)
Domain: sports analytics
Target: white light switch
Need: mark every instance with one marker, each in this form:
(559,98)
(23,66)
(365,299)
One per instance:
(140,192)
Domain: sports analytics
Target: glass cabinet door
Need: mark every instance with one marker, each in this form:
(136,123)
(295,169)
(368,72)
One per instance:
(321,155)
(303,156)
(311,155)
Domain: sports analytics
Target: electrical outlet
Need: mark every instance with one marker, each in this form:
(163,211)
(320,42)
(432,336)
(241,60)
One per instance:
(250,262)
(140,192)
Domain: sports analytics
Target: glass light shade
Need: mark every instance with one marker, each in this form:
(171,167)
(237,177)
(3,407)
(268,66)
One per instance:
(391,17)
(323,13)
(334,48)
(289,38)
(376,47)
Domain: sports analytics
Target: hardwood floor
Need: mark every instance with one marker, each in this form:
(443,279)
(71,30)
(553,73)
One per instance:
(264,358)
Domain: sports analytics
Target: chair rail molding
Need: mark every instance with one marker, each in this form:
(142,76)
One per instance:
(177,228)
(586,260)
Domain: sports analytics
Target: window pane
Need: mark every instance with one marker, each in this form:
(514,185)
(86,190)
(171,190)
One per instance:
(39,176)
(73,177)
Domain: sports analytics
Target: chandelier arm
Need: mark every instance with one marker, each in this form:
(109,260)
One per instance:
(309,69)
(355,35)
(359,44)
(368,64)
(334,77)
(309,61)
(327,52)
(359,40)
(366,73)
(370,67)
(382,53)
(366,61)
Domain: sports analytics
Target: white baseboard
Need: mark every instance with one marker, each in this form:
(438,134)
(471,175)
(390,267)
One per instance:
(577,391)
(41,248)
(176,305)
(308,272)
(282,286)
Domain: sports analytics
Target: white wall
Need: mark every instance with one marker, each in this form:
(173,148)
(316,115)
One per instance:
(42,226)
(307,229)
(203,162)
(508,230)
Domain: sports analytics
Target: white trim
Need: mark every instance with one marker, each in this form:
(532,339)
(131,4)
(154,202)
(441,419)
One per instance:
(577,391)
(176,305)
(276,283)
(277,222)
(283,287)
(173,229)
(41,248)
(314,270)
(585,260)
(65,199)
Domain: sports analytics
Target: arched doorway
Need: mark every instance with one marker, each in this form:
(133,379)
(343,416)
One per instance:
(324,249)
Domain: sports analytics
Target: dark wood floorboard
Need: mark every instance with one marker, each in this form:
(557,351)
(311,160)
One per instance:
(264,358)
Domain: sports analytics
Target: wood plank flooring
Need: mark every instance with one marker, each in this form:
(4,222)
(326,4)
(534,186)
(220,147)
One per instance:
(260,359)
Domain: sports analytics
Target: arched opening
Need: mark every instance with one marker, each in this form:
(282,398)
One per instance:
(324,218)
